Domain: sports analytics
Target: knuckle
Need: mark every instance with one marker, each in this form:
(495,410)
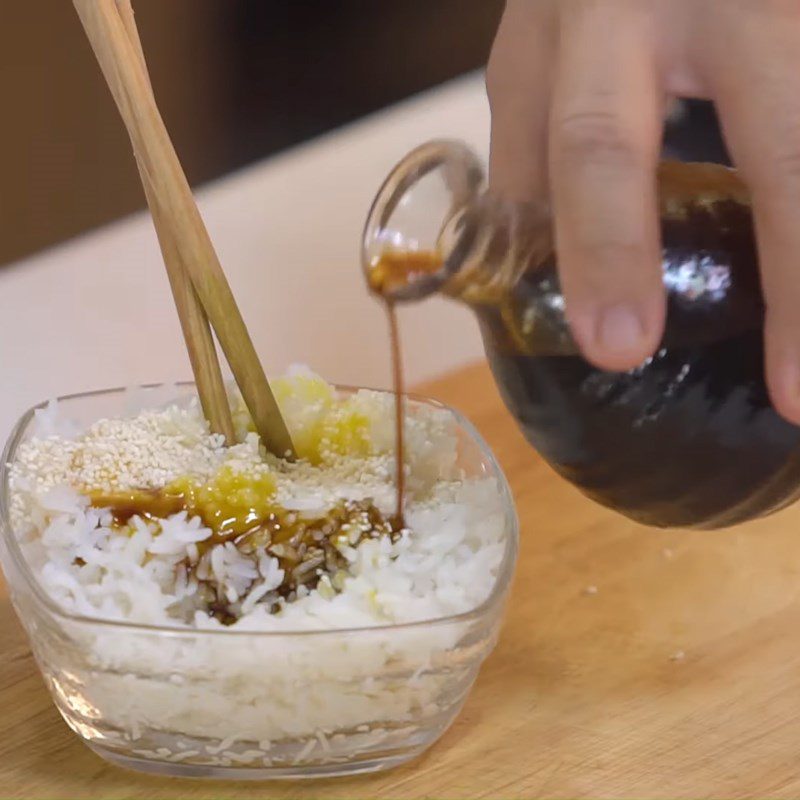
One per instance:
(607,265)
(596,136)
(608,254)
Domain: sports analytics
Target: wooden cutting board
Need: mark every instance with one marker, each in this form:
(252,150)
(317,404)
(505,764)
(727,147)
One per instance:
(633,663)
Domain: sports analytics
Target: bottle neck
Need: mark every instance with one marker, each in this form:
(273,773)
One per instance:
(498,258)
(421,213)
(489,246)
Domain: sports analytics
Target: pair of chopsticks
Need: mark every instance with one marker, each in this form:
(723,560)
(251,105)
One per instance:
(202,295)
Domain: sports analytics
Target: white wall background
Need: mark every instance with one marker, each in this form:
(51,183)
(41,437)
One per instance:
(97,311)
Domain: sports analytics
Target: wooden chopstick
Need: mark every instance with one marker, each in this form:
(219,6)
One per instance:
(177,211)
(194,322)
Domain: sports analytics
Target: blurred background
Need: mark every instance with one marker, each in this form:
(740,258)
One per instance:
(287,116)
(237,80)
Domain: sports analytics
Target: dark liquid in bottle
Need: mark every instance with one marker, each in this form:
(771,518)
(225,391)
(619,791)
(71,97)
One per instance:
(690,438)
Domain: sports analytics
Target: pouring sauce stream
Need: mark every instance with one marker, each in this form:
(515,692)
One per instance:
(392,270)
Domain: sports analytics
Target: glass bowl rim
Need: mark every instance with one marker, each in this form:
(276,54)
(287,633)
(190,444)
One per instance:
(495,598)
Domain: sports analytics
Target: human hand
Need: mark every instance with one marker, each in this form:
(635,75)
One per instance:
(578,91)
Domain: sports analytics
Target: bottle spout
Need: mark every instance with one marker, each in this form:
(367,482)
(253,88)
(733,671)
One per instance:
(420,226)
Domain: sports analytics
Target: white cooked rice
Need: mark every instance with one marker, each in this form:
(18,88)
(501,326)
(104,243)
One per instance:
(258,689)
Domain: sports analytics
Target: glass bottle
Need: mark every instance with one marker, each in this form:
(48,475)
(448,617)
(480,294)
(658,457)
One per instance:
(689,438)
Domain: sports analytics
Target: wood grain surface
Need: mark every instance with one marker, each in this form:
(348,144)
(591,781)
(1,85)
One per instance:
(633,663)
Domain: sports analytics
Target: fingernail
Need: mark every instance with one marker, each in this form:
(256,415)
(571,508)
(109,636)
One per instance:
(619,330)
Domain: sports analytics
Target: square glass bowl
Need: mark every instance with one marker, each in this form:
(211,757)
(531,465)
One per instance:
(203,703)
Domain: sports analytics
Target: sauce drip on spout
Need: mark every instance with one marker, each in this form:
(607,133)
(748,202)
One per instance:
(397,269)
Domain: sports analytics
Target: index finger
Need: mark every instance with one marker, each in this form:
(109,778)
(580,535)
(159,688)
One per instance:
(604,146)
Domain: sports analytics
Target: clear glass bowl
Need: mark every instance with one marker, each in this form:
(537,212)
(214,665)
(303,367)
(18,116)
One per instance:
(203,703)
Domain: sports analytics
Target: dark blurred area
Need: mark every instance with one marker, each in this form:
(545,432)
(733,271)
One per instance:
(694,134)
(236,80)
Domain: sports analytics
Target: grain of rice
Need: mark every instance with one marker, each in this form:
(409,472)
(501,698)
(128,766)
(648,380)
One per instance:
(323,740)
(305,752)
(183,756)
